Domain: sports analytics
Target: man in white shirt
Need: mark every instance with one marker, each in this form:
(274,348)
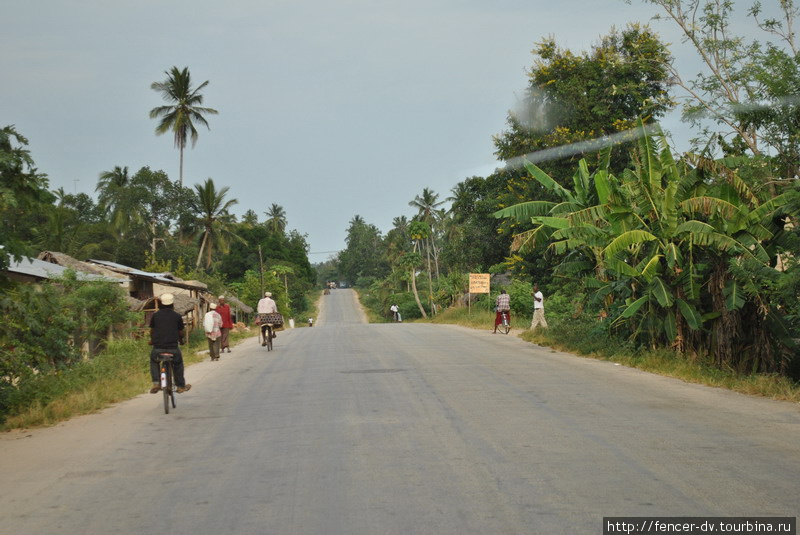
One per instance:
(266,306)
(212,325)
(538,308)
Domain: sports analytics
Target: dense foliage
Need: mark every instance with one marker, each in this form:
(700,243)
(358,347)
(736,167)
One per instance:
(696,254)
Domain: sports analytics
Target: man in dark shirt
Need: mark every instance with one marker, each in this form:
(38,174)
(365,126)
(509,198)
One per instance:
(166,332)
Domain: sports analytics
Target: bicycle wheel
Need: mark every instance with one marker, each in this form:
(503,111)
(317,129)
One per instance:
(506,325)
(269,340)
(167,369)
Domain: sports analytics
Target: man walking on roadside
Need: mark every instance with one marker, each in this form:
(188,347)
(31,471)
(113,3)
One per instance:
(224,310)
(538,308)
(211,325)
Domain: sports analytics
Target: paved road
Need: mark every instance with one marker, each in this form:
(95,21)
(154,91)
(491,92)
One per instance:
(348,428)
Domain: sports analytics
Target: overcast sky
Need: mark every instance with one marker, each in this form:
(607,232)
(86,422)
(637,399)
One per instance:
(330,108)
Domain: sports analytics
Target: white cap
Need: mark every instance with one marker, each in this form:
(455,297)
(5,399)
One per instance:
(222,297)
(212,306)
(267,294)
(167,299)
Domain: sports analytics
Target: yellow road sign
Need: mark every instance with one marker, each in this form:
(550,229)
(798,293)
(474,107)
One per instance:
(479,283)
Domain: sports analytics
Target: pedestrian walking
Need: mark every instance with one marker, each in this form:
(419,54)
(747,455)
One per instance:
(224,310)
(212,324)
(538,308)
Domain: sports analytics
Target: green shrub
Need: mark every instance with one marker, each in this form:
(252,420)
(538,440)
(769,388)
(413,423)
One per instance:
(44,329)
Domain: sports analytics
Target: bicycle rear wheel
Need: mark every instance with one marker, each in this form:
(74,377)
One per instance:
(167,389)
(506,325)
(269,340)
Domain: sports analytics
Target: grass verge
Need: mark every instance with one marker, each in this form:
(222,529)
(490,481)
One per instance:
(588,339)
(119,373)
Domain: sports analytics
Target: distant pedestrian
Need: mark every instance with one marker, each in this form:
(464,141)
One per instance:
(538,308)
(224,310)
(395,310)
(212,324)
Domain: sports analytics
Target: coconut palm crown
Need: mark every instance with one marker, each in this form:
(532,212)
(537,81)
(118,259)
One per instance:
(183,110)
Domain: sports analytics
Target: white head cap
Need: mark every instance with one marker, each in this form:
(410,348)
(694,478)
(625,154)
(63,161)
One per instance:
(267,294)
(167,299)
(212,306)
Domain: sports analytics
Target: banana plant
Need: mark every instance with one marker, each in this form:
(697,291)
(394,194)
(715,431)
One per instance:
(662,242)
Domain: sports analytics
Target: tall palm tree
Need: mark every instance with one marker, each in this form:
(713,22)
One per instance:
(214,228)
(276,218)
(113,199)
(428,205)
(183,111)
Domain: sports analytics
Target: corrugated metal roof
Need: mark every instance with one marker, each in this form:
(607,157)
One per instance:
(165,278)
(46,270)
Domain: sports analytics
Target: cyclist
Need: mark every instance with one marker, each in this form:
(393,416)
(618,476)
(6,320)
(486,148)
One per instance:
(166,332)
(266,306)
(395,312)
(502,306)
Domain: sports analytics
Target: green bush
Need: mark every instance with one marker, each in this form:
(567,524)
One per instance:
(122,357)
(408,305)
(44,329)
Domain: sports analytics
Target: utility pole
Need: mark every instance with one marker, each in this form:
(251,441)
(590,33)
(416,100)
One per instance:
(261,271)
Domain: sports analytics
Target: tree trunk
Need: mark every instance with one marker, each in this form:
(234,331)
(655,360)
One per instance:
(435,255)
(181,168)
(416,294)
(153,239)
(727,327)
(430,280)
(202,246)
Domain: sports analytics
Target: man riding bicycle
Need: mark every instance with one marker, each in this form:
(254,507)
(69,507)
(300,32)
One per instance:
(266,306)
(166,333)
(502,306)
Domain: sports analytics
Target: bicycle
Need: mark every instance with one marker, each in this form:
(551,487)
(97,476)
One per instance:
(268,322)
(505,324)
(165,357)
(267,334)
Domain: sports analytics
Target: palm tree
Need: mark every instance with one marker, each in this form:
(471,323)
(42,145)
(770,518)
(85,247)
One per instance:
(183,110)
(419,232)
(410,261)
(428,211)
(114,197)
(215,225)
(276,218)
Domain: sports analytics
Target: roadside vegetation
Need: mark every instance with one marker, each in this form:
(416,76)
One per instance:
(679,260)
(118,373)
(63,336)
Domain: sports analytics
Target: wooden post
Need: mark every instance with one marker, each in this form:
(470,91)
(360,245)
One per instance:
(260,272)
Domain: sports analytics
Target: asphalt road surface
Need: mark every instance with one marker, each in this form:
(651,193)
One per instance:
(349,428)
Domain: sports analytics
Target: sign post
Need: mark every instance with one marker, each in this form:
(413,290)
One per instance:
(478,284)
